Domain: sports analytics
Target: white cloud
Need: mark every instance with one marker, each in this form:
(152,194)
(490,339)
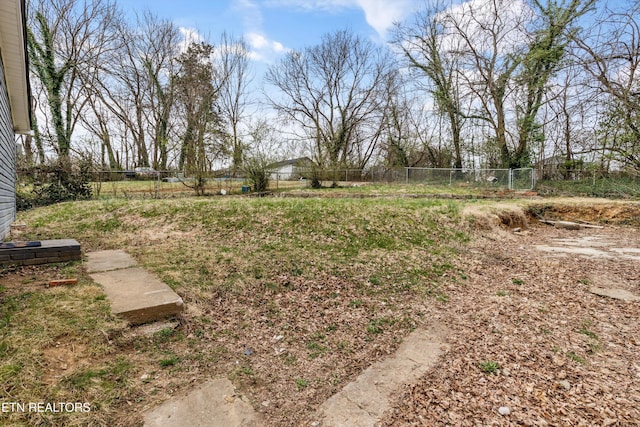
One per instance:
(262,48)
(250,12)
(189,35)
(380,14)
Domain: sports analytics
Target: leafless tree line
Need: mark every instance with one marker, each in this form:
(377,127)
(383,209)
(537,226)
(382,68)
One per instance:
(481,83)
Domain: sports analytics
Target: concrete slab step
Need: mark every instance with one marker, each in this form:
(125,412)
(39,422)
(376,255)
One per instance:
(364,401)
(212,404)
(109,260)
(135,294)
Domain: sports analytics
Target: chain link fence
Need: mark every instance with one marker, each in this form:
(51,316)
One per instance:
(591,182)
(511,179)
(148,183)
(162,184)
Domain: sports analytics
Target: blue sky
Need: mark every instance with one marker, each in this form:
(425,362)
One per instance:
(271,27)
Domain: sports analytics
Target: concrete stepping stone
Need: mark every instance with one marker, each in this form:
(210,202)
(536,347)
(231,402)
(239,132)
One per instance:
(135,294)
(620,294)
(213,404)
(109,260)
(363,401)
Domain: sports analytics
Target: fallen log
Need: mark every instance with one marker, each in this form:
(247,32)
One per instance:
(568,225)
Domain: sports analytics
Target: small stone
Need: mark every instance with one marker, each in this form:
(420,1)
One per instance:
(144,377)
(266,403)
(278,337)
(565,384)
(504,410)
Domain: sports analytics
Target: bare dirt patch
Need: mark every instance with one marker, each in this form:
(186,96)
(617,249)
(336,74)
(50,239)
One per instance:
(584,209)
(63,357)
(531,344)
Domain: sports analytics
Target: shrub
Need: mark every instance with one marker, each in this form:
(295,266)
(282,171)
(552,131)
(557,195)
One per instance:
(56,182)
(256,170)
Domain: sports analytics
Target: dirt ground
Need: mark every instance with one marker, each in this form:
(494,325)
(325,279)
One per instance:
(528,342)
(561,355)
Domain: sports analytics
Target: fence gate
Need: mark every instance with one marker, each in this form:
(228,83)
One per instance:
(522,179)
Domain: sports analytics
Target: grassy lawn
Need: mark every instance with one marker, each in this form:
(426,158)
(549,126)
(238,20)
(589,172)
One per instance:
(288,297)
(155,189)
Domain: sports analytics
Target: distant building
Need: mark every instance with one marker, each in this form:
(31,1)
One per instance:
(14,102)
(289,169)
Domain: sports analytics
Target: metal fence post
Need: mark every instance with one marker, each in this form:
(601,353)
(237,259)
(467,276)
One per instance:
(406,181)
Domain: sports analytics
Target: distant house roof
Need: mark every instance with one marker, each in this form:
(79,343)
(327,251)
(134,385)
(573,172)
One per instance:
(554,160)
(300,161)
(14,59)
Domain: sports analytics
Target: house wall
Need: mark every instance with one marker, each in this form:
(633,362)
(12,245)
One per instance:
(284,173)
(7,160)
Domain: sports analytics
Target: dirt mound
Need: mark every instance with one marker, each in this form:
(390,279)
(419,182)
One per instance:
(495,216)
(606,213)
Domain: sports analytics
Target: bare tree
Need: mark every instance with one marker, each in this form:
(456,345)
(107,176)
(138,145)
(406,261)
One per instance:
(65,38)
(543,59)
(408,136)
(233,55)
(493,35)
(133,83)
(336,93)
(611,55)
(434,53)
(159,43)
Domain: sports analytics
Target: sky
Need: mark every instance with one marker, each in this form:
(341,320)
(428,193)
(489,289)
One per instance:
(273,27)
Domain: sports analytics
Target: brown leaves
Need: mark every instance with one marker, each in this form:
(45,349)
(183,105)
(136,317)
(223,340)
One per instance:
(566,356)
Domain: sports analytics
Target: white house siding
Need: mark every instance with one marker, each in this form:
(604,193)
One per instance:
(283,173)
(7,160)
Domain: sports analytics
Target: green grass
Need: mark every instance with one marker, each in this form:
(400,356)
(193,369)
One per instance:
(573,356)
(377,326)
(489,367)
(253,237)
(169,361)
(301,383)
(149,189)
(248,268)
(588,333)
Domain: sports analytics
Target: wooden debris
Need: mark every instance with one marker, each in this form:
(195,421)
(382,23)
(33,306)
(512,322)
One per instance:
(62,282)
(568,225)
